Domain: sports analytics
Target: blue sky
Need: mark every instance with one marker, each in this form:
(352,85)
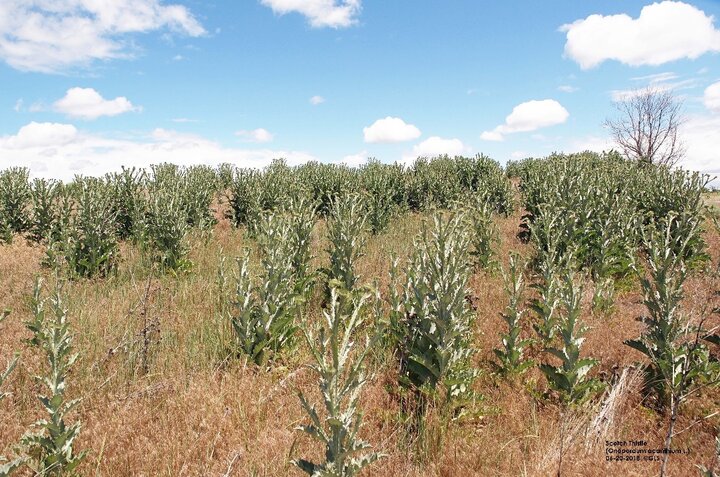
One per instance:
(190,81)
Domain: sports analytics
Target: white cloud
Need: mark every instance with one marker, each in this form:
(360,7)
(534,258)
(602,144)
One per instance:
(53,36)
(566,88)
(657,77)
(315,100)
(86,103)
(701,135)
(663,32)
(390,130)
(355,160)
(529,116)
(255,135)
(320,13)
(711,97)
(18,105)
(491,136)
(435,146)
(61,151)
(590,143)
(35,135)
(660,83)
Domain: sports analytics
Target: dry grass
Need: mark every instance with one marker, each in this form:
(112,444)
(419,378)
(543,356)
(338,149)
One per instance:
(198,411)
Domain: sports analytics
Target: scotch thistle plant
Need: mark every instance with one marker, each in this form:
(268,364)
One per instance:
(14,201)
(263,314)
(545,306)
(11,365)
(164,229)
(434,322)
(339,363)
(679,359)
(43,215)
(483,231)
(50,448)
(88,240)
(347,234)
(511,357)
(128,204)
(570,378)
(301,211)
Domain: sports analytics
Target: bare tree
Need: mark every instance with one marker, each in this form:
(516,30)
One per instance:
(646,128)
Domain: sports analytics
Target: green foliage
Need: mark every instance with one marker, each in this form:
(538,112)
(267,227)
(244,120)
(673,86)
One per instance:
(570,378)
(50,449)
(301,213)
(89,241)
(194,187)
(164,230)
(434,318)
(14,202)
(225,173)
(549,267)
(483,232)
(386,189)
(384,192)
(246,198)
(327,182)
(443,181)
(678,358)
(341,377)
(127,189)
(347,234)
(511,356)
(263,315)
(596,205)
(198,186)
(44,212)
(253,193)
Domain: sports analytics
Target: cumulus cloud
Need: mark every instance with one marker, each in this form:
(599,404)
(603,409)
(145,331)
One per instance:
(60,151)
(320,13)
(529,116)
(701,134)
(711,98)
(52,36)
(355,160)
(315,100)
(390,130)
(663,32)
(435,146)
(255,135)
(36,135)
(86,103)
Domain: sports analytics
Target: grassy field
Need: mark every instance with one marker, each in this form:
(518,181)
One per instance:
(162,397)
